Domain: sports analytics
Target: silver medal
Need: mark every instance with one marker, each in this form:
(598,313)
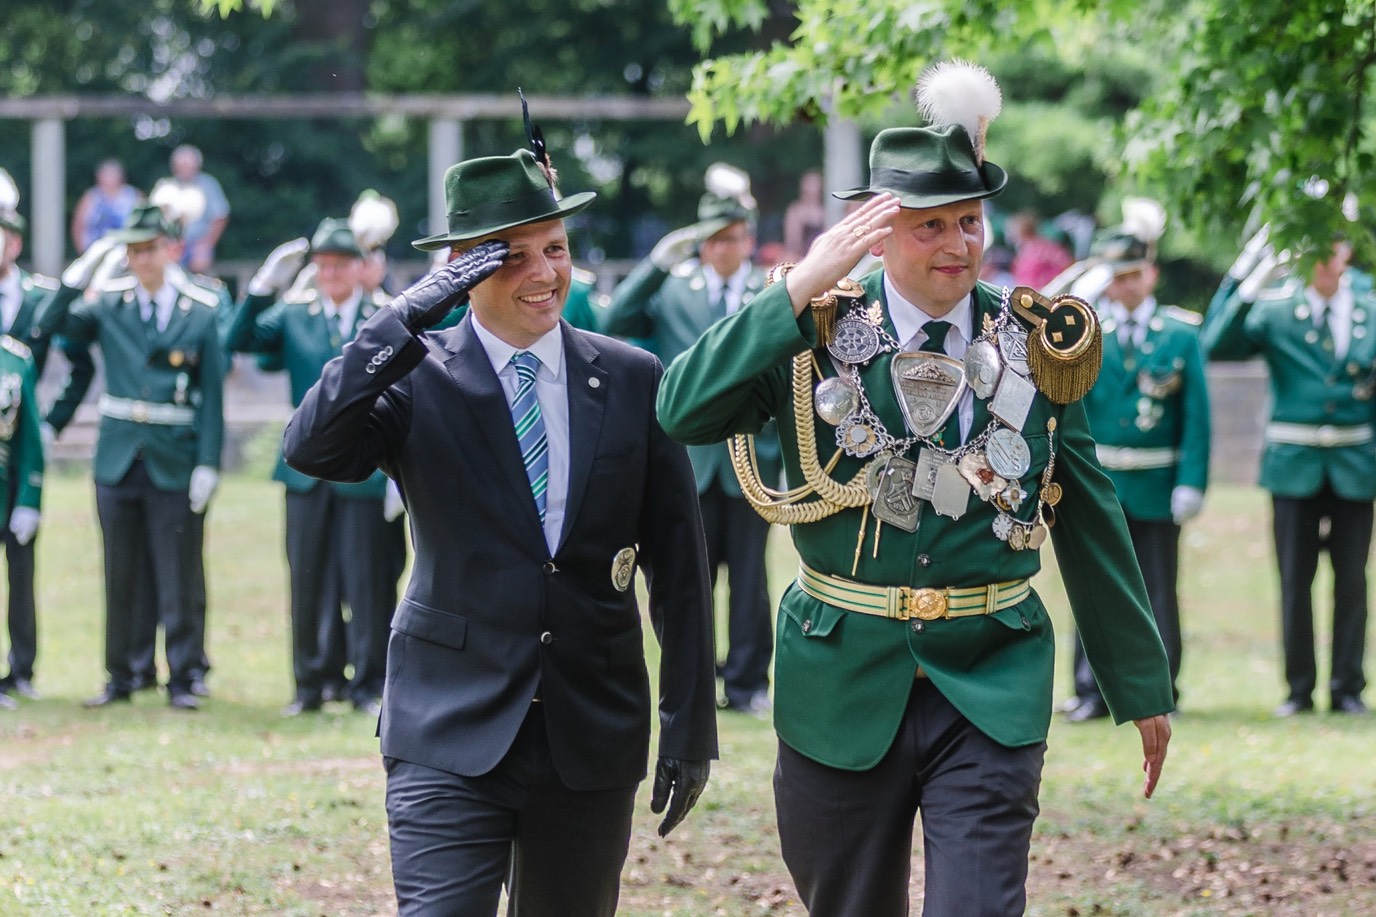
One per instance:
(855,341)
(1003,526)
(982,367)
(1008,453)
(924,480)
(857,437)
(835,399)
(951,494)
(892,487)
(927,386)
(1013,400)
(1013,349)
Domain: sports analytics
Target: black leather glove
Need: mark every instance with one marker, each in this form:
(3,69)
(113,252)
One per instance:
(427,301)
(678,783)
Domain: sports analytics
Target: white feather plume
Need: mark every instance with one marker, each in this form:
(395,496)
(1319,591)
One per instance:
(181,203)
(1143,218)
(959,92)
(9,192)
(730,182)
(373,220)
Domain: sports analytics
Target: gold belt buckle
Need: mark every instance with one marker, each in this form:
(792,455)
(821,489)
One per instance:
(139,412)
(926,604)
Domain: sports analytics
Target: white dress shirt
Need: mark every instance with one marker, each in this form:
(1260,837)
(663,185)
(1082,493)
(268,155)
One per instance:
(735,285)
(347,310)
(1340,303)
(908,320)
(551,390)
(1140,318)
(164,301)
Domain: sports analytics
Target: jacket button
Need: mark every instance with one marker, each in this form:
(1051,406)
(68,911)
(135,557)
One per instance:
(919,626)
(550,567)
(924,560)
(547,638)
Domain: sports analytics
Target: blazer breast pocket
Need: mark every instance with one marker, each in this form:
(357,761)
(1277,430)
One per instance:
(431,625)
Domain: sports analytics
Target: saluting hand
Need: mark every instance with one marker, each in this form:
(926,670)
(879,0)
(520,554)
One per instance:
(426,302)
(679,784)
(835,252)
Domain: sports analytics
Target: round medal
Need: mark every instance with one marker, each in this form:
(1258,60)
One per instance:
(857,438)
(856,341)
(1003,527)
(1052,493)
(982,367)
(835,399)
(1008,453)
(1036,537)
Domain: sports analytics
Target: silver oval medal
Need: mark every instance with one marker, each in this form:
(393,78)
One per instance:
(982,367)
(1008,453)
(835,399)
(855,341)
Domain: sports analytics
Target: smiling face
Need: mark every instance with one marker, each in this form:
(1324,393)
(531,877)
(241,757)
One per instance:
(933,256)
(522,300)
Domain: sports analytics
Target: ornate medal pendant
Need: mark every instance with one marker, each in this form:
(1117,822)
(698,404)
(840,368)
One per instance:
(1008,453)
(1003,526)
(891,483)
(950,493)
(1010,498)
(1036,537)
(857,437)
(974,467)
(623,568)
(927,386)
(1052,493)
(1013,349)
(835,399)
(1017,537)
(924,481)
(1013,400)
(983,367)
(856,341)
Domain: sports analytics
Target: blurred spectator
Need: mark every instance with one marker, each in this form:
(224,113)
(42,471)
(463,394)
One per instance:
(805,218)
(104,206)
(203,230)
(997,266)
(1037,260)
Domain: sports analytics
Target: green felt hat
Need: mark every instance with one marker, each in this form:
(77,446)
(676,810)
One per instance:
(334,237)
(715,213)
(1122,251)
(927,167)
(487,195)
(145,223)
(12,221)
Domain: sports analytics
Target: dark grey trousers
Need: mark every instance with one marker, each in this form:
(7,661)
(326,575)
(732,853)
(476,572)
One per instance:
(456,840)
(847,836)
(736,537)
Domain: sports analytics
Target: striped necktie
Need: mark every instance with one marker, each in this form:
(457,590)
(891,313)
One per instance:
(530,427)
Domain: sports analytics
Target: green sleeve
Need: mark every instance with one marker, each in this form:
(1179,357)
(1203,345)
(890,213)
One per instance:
(1226,334)
(629,314)
(28,459)
(210,419)
(1193,468)
(256,326)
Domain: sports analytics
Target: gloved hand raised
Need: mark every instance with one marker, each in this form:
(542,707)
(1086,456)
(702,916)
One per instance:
(78,274)
(679,784)
(1269,267)
(677,247)
(427,301)
(279,267)
(1252,253)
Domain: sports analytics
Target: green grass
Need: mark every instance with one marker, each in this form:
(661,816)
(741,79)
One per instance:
(141,810)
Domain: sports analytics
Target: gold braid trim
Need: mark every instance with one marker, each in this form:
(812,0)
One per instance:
(784,507)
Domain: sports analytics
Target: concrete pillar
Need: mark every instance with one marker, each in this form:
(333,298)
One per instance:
(48,196)
(844,163)
(446,148)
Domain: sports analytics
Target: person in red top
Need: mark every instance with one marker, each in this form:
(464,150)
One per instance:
(1038,259)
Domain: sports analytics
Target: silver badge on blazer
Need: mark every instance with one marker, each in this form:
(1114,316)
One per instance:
(623,568)
(927,386)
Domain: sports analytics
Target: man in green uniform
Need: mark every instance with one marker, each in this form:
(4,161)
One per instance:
(1149,415)
(22,299)
(157,457)
(694,277)
(337,536)
(914,662)
(1318,462)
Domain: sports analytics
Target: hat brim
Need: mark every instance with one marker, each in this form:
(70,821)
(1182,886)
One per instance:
(565,207)
(996,178)
(1120,268)
(136,235)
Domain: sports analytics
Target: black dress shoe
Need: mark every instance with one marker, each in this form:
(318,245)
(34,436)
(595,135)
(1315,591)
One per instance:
(23,687)
(1349,705)
(110,695)
(302,705)
(1069,704)
(143,682)
(183,700)
(198,686)
(331,693)
(1293,707)
(1088,710)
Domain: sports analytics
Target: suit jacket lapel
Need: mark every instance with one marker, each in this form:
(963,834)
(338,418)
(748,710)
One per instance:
(588,385)
(468,365)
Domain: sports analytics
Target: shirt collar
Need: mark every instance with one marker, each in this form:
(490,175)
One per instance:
(1141,315)
(735,283)
(549,348)
(908,319)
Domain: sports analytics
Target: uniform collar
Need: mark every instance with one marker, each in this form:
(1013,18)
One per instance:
(908,318)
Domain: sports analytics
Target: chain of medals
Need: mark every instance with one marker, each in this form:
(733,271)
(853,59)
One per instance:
(928,387)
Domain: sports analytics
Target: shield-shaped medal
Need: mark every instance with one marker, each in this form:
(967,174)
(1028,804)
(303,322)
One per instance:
(927,386)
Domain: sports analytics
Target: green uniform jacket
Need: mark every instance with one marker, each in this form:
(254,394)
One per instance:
(38,292)
(1161,401)
(21,444)
(842,679)
(1308,385)
(181,365)
(297,336)
(666,313)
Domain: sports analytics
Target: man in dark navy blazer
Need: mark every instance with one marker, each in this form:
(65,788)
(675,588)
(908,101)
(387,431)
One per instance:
(515,719)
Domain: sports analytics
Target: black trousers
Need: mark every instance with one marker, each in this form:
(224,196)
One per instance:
(142,526)
(22,610)
(338,553)
(846,836)
(1157,546)
(455,840)
(143,646)
(736,537)
(1299,530)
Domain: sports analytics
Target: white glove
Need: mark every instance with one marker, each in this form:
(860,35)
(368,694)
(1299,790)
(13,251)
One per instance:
(24,523)
(1186,502)
(1268,268)
(280,267)
(1090,285)
(304,282)
(1252,253)
(392,507)
(204,480)
(676,248)
(110,267)
(78,274)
